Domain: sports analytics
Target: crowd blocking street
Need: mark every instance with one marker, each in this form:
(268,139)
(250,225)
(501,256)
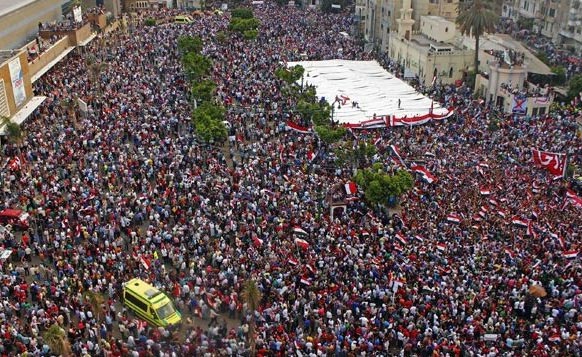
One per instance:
(130,180)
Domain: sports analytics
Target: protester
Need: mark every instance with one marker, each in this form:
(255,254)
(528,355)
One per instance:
(129,180)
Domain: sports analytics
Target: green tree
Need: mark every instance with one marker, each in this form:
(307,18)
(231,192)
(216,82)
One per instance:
(56,338)
(330,135)
(242,13)
(542,56)
(95,68)
(208,122)
(525,23)
(188,44)
(250,34)
(215,112)
(210,130)
(203,91)
(560,75)
(380,186)
(221,37)
(95,301)
(196,66)
(13,131)
(251,295)
(476,18)
(319,113)
(241,25)
(358,156)
(575,86)
(290,75)
(150,22)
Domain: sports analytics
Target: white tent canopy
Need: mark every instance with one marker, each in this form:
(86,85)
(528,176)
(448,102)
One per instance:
(374,89)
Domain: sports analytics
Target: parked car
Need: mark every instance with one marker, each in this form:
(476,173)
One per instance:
(17,218)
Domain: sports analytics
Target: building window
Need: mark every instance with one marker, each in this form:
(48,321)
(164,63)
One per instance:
(451,73)
(446,29)
(552,12)
(542,111)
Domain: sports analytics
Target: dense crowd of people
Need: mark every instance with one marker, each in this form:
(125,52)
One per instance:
(128,179)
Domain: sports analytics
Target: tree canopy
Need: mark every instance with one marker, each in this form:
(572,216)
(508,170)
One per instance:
(575,86)
(476,18)
(379,186)
(188,44)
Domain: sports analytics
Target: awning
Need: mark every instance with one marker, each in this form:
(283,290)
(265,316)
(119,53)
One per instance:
(24,112)
(51,64)
(88,39)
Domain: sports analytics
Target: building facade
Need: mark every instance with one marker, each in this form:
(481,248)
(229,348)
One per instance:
(429,53)
(19,19)
(380,17)
(503,85)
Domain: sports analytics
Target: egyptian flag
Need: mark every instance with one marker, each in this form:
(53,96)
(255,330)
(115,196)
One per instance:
(401,239)
(351,188)
(15,164)
(311,155)
(501,212)
(305,281)
(570,254)
(441,246)
(419,238)
(298,128)
(396,153)
(484,191)
(424,173)
(302,243)
(530,229)
(509,252)
(257,241)
(145,261)
(555,338)
(377,140)
(298,230)
(293,261)
(453,218)
(518,221)
(574,199)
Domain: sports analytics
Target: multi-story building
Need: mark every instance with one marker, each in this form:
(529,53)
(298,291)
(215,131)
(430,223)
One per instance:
(430,53)
(571,29)
(380,16)
(554,13)
(19,19)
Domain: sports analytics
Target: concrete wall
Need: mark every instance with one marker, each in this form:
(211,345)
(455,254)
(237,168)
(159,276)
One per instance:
(437,28)
(19,26)
(5,75)
(75,37)
(40,62)
(423,63)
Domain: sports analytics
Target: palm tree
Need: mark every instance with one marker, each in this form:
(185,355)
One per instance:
(56,338)
(96,301)
(476,18)
(70,105)
(95,69)
(13,131)
(252,297)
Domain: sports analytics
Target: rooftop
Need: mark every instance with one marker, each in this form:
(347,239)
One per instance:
(501,42)
(8,6)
